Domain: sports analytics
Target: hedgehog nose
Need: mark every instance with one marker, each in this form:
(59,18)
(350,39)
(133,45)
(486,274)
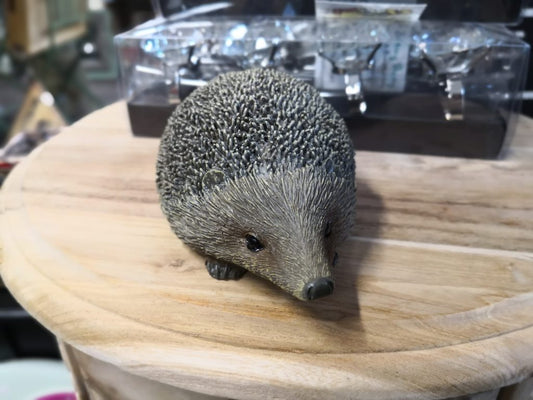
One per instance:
(318,288)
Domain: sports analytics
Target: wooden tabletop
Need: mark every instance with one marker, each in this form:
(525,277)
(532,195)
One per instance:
(434,293)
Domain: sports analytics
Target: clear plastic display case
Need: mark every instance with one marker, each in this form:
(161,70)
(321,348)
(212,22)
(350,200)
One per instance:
(425,87)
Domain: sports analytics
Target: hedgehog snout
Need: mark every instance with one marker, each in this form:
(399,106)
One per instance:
(318,288)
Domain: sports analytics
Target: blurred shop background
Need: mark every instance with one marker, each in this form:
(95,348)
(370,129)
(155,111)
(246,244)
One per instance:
(58,64)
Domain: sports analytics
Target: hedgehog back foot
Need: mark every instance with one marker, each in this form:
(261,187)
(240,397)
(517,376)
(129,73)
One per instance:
(224,271)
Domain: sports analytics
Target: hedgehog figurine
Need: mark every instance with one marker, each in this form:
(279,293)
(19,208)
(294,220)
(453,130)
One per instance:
(256,172)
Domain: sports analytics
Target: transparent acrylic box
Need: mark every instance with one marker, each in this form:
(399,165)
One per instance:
(424,87)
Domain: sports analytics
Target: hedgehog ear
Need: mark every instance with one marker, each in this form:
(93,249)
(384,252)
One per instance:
(213,178)
(331,168)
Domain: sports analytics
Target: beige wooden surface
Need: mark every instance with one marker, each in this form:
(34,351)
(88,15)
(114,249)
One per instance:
(434,294)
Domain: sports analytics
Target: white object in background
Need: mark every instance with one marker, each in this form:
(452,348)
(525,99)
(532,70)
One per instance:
(33,379)
(404,11)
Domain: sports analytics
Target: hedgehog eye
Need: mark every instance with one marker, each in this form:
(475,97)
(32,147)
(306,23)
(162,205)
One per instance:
(253,243)
(327,232)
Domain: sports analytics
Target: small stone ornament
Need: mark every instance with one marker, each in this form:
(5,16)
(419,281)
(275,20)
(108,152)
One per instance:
(256,172)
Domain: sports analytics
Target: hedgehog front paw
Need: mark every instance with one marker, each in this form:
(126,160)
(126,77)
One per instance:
(224,271)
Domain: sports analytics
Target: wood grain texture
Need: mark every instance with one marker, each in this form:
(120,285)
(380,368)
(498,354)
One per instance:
(97,380)
(434,291)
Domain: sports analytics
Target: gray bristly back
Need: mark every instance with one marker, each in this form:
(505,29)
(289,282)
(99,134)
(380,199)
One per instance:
(252,122)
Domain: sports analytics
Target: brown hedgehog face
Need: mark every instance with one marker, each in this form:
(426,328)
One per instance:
(282,227)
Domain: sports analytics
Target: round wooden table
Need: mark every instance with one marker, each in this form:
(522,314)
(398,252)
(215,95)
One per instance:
(434,295)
